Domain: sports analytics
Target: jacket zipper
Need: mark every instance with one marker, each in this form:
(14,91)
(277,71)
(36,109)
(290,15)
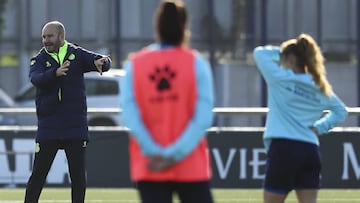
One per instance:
(59,90)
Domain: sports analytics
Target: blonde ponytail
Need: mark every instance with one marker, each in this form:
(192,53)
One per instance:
(313,61)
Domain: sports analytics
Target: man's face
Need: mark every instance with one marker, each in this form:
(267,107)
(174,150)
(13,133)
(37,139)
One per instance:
(51,39)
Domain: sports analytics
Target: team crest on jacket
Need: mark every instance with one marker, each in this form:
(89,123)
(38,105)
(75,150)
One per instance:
(162,77)
(48,64)
(71,57)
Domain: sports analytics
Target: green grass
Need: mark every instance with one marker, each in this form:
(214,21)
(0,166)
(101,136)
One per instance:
(106,195)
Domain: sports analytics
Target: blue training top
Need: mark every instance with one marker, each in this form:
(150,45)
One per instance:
(193,133)
(295,102)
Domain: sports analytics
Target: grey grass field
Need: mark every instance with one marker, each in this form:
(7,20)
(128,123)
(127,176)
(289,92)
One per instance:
(116,195)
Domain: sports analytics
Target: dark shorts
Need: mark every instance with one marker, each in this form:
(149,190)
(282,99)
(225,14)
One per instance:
(292,165)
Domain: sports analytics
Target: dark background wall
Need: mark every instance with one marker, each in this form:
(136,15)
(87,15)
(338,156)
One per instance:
(238,159)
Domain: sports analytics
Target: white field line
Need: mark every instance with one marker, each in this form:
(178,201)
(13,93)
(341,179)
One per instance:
(347,200)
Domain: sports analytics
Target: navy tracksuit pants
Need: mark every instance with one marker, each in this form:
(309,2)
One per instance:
(44,157)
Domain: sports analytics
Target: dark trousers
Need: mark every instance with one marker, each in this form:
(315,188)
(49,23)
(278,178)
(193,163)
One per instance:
(162,192)
(75,154)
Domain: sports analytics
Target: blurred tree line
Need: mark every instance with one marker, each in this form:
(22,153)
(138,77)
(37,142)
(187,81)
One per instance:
(229,45)
(2,8)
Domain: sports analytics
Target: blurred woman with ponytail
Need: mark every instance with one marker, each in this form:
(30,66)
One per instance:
(298,95)
(167,99)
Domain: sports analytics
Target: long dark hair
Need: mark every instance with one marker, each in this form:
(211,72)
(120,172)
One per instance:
(171,20)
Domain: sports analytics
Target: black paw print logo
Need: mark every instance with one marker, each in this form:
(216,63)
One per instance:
(162,77)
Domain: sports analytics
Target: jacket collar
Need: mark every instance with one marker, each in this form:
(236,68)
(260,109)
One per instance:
(59,57)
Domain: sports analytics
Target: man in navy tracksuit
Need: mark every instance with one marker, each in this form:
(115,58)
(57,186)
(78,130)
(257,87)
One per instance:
(57,72)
